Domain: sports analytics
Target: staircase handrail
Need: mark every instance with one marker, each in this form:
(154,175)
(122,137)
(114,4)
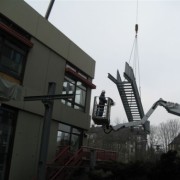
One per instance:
(81,152)
(67,163)
(60,154)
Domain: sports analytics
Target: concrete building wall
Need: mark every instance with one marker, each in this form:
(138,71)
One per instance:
(26,146)
(46,62)
(27,18)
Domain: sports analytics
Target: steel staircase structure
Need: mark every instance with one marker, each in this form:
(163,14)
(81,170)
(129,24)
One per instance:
(58,162)
(129,94)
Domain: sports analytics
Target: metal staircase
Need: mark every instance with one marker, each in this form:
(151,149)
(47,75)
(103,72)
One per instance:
(129,94)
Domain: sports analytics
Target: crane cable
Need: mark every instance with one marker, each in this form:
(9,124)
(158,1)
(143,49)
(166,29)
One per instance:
(135,51)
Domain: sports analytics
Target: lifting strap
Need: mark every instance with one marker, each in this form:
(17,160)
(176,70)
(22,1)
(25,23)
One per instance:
(134,51)
(136,29)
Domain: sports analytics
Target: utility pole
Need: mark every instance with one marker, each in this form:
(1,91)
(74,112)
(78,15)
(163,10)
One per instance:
(48,101)
(49,9)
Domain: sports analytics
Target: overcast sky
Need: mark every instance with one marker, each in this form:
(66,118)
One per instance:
(105,31)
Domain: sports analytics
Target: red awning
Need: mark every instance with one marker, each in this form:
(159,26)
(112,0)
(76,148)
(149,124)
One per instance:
(16,35)
(80,78)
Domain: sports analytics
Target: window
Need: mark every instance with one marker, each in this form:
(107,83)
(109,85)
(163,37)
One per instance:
(69,136)
(71,86)
(12,57)
(14,45)
(63,138)
(76,83)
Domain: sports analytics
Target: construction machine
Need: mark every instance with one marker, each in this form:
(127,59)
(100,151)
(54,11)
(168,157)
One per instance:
(104,120)
(131,101)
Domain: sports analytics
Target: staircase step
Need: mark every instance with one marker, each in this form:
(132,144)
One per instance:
(129,94)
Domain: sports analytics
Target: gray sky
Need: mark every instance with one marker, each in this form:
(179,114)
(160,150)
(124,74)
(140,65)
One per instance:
(105,31)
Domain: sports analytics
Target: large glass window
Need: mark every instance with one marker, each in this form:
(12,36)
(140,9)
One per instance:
(63,138)
(69,136)
(14,45)
(12,57)
(73,86)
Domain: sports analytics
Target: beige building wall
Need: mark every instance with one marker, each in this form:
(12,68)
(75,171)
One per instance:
(46,63)
(26,146)
(27,18)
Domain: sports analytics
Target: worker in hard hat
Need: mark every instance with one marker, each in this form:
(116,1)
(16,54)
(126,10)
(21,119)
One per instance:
(102,102)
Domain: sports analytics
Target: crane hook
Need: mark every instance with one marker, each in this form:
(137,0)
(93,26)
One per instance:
(136,29)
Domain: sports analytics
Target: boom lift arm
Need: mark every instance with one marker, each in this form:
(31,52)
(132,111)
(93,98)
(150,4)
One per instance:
(173,108)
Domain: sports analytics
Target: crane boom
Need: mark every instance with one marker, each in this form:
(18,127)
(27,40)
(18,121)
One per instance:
(173,108)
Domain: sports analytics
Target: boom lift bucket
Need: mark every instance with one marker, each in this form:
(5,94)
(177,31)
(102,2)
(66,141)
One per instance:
(104,117)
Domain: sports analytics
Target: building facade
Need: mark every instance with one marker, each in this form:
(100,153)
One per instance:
(175,144)
(32,54)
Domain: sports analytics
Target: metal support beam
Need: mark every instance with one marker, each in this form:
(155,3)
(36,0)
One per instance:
(48,97)
(49,9)
(48,101)
(45,134)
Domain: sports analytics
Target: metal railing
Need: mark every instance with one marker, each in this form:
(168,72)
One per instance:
(84,153)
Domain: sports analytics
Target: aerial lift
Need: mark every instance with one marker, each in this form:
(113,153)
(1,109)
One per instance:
(173,108)
(132,105)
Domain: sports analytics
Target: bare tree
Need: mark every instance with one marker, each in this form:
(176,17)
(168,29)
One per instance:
(153,137)
(163,135)
(168,131)
(174,128)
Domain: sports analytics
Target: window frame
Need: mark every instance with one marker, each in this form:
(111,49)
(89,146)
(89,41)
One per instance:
(71,131)
(20,38)
(16,46)
(73,103)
